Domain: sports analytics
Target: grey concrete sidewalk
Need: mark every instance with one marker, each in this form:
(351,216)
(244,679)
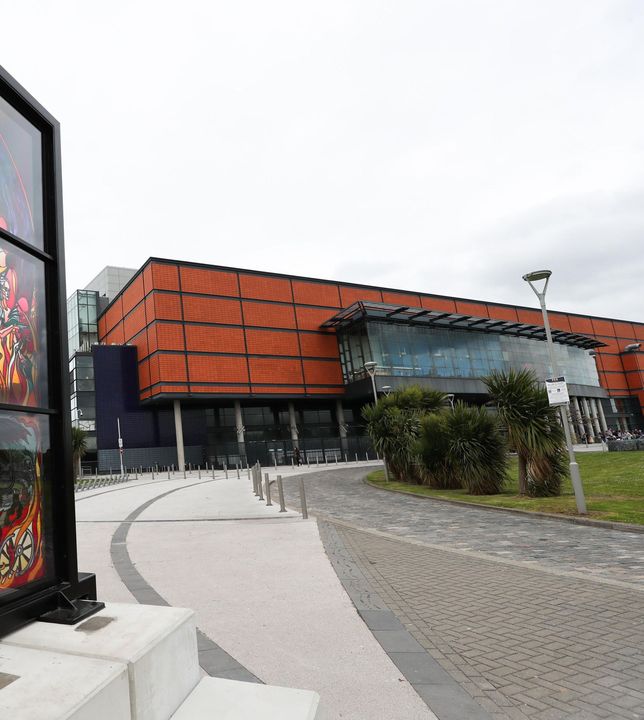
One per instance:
(262,588)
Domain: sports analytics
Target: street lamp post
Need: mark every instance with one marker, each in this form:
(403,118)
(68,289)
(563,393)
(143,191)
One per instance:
(370,368)
(575,476)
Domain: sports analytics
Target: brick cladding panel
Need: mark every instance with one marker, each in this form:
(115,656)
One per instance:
(116,336)
(217,389)
(269,315)
(265,288)
(278,389)
(167,306)
(499,312)
(209,338)
(530,317)
(144,374)
(140,342)
(213,310)
(349,295)
(209,282)
(114,314)
(271,342)
(581,325)
(310,293)
(314,345)
(321,372)
(397,298)
(165,277)
(134,322)
(172,368)
(437,303)
(148,283)
(169,336)
(274,370)
(312,318)
(217,369)
(133,294)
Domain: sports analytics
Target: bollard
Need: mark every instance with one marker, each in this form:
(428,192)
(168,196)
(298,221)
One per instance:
(213,472)
(184,472)
(152,473)
(248,470)
(238,466)
(346,458)
(326,459)
(293,462)
(317,460)
(280,491)
(305,513)
(336,457)
(136,474)
(268,490)
(199,471)
(255,480)
(168,472)
(259,486)
(366,455)
(226,470)
(356,457)
(275,459)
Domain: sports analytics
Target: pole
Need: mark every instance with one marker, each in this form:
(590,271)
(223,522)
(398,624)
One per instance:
(575,476)
(118,426)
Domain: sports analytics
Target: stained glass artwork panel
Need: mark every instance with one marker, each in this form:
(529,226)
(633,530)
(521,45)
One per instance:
(21,205)
(23,339)
(25,537)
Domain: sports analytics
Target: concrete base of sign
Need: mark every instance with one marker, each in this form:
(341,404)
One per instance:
(157,644)
(216,698)
(38,685)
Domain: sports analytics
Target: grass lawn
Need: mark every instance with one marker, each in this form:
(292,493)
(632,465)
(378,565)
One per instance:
(613,485)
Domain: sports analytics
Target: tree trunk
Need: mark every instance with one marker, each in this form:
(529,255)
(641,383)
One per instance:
(523,474)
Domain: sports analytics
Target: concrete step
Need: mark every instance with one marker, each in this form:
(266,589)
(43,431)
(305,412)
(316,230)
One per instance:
(40,685)
(158,645)
(219,699)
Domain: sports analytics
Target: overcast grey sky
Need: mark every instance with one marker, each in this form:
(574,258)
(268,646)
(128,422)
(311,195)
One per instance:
(447,146)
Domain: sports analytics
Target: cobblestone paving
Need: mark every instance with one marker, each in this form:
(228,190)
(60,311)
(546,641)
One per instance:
(540,542)
(548,635)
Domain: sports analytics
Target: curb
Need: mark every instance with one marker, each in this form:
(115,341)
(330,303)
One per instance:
(604,524)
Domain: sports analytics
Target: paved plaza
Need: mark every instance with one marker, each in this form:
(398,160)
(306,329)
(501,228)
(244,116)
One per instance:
(390,606)
(534,618)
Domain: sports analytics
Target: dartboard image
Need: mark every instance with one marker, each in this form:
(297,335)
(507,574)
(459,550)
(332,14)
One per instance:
(16,554)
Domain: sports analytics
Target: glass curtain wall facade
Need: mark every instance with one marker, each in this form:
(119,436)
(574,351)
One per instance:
(413,351)
(82,327)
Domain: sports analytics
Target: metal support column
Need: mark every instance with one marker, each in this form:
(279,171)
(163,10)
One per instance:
(178,430)
(590,434)
(342,426)
(239,426)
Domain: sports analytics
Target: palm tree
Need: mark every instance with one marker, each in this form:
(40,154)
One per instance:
(533,430)
(79,447)
(393,424)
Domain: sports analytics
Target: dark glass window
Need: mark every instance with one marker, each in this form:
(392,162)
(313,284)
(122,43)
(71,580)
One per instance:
(21,204)
(23,349)
(25,510)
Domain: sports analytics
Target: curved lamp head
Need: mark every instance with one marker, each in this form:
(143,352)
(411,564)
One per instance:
(370,367)
(535,276)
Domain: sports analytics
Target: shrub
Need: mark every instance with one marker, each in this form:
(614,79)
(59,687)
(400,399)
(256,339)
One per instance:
(393,424)
(464,448)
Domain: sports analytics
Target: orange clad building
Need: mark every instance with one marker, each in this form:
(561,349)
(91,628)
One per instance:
(212,336)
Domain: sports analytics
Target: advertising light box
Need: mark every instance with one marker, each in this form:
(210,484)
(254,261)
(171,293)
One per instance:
(38,572)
